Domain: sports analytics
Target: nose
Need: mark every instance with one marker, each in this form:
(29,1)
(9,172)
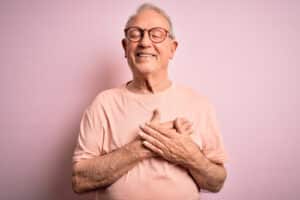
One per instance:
(145,40)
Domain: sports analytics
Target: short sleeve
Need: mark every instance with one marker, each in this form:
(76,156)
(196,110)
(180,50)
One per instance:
(91,134)
(213,147)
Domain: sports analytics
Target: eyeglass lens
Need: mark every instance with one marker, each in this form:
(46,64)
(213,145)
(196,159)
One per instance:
(155,34)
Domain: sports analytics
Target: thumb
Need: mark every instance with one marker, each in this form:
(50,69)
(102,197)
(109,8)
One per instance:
(155,117)
(177,124)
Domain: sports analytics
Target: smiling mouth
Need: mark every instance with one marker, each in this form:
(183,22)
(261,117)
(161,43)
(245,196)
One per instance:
(141,55)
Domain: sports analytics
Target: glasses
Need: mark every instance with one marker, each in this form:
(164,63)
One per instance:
(156,34)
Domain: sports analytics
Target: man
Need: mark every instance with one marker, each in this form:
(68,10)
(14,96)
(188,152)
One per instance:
(149,138)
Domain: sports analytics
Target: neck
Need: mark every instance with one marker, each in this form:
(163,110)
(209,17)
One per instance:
(149,84)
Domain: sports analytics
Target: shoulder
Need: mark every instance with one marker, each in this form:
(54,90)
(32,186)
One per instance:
(108,94)
(106,97)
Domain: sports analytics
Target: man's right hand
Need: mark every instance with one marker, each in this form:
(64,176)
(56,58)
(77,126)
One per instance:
(136,146)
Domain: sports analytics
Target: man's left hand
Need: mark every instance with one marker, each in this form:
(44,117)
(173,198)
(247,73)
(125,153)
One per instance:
(174,145)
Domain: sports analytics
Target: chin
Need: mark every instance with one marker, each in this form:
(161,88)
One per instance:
(145,69)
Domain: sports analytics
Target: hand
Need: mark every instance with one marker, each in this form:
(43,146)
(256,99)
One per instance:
(137,147)
(174,145)
(181,125)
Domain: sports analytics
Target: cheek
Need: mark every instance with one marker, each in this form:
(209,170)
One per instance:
(164,52)
(130,49)
(165,55)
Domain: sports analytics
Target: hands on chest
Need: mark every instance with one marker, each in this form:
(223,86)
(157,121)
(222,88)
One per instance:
(169,140)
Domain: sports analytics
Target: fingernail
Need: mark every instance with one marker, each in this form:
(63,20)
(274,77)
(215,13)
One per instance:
(142,126)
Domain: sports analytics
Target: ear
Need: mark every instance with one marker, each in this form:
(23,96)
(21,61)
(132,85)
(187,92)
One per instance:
(124,45)
(173,47)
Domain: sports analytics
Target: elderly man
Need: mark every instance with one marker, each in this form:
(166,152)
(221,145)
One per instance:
(149,138)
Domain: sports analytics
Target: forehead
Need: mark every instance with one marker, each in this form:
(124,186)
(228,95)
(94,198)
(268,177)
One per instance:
(149,19)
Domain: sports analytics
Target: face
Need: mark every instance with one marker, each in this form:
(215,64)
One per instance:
(146,57)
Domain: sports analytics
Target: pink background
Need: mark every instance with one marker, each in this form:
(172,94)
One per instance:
(55,56)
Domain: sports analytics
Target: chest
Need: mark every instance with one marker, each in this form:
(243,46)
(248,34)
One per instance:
(123,122)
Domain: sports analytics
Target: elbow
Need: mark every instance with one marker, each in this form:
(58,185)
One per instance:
(219,183)
(215,189)
(82,184)
(76,185)
(76,180)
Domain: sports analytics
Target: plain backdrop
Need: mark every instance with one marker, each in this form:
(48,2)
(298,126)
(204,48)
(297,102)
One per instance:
(56,56)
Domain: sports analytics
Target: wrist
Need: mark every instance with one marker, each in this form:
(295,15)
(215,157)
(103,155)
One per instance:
(137,149)
(196,161)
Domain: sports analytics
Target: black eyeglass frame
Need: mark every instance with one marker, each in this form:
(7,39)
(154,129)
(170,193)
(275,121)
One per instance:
(142,31)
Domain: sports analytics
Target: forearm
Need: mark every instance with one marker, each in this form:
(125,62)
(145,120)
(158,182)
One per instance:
(206,174)
(102,171)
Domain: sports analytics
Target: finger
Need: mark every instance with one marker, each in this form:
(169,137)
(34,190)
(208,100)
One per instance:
(152,148)
(182,119)
(182,126)
(184,122)
(187,126)
(151,139)
(155,117)
(189,131)
(167,125)
(178,126)
(156,128)
(147,130)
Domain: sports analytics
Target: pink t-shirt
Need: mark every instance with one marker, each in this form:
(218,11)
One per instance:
(113,120)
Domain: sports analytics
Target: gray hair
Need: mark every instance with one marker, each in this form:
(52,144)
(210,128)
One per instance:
(149,6)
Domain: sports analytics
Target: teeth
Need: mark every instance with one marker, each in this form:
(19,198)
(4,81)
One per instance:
(144,55)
